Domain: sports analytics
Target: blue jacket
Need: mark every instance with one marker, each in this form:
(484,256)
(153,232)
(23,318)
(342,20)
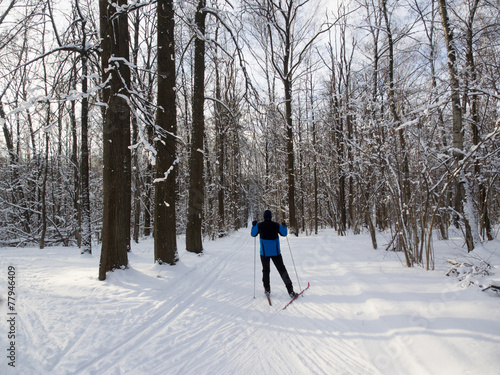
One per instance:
(269,239)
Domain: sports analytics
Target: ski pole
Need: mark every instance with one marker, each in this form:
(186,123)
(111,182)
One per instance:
(254,261)
(293,261)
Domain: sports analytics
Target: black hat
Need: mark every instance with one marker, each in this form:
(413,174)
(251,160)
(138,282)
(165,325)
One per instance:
(268,214)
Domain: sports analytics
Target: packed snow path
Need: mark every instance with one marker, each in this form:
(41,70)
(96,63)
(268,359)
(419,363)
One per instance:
(364,314)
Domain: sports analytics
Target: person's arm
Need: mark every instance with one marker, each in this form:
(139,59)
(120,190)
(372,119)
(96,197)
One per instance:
(255,229)
(283,229)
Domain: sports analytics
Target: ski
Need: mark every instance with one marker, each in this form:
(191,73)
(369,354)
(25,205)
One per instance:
(297,296)
(268,296)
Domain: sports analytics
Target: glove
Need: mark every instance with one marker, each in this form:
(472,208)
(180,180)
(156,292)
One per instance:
(254,223)
(283,224)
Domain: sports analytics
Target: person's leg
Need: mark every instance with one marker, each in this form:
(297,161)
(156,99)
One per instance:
(280,266)
(266,269)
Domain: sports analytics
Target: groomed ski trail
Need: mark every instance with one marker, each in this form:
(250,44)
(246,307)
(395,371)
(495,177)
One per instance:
(365,313)
(198,317)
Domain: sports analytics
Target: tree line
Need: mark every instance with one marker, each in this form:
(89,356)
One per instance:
(127,120)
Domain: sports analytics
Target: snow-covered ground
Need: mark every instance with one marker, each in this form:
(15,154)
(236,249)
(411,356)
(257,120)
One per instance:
(365,313)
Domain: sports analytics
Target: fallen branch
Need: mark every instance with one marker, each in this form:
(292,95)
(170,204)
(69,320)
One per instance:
(495,288)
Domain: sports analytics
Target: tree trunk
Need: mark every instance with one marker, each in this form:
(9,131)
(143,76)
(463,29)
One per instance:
(8,140)
(165,242)
(458,142)
(237,194)
(475,118)
(74,162)
(287,82)
(137,186)
(86,230)
(196,196)
(44,187)
(220,146)
(290,156)
(406,192)
(315,162)
(116,139)
(148,187)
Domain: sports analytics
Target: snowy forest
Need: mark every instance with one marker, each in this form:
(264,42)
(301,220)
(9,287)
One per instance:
(129,119)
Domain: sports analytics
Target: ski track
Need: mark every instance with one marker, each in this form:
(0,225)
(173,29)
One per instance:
(162,317)
(245,339)
(200,316)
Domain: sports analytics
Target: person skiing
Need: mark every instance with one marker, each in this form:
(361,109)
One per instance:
(270,250)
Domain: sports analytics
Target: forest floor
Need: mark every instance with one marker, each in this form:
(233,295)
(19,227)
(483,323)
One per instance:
(365,312)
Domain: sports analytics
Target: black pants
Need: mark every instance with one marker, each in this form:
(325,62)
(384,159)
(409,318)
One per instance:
(266,269)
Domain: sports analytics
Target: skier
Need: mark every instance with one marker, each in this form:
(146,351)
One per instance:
(270,250)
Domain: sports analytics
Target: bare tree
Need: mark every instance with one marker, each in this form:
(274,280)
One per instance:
(458,137)
(116,137)
(471,79)
(165,183)
(196,193)
(86,230)
(288,48)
